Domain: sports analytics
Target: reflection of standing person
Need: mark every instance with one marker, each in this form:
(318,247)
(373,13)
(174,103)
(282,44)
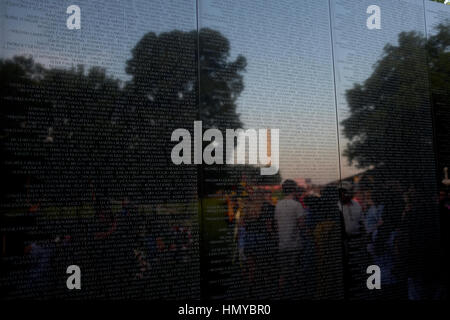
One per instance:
(373,217)
(327,235)
(415,251)
(351,210)
(289,215)
(268,259)
(300,196)
(254,244)
(355,254)
(40,267)
(385,245)
(444,209)
(268,216)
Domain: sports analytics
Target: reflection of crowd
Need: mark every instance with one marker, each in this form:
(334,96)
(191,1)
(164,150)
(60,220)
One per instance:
(297,244)
(319,246)
(123,253)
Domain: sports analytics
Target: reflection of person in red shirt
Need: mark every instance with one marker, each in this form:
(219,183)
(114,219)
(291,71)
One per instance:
(300,196)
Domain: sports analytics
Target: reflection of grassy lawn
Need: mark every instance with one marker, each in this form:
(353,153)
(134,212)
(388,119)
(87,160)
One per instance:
(212,219)
(85,211)
(11,212)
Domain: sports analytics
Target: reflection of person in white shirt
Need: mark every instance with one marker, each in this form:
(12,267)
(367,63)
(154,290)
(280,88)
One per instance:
(289,215)
(351,211)
(290,218)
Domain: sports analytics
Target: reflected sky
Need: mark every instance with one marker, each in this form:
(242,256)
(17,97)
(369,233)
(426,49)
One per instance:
(289,80)
(435,14)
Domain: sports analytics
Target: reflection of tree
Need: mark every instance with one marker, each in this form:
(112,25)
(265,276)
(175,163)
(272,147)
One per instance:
(439,64)
(61,119)
(13,75)
(441,1)
(388,125)
(68,128)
